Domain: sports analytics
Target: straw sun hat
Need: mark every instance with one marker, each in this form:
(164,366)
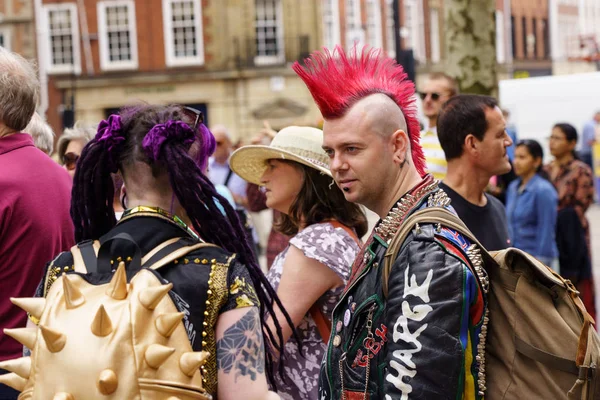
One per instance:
(301,144)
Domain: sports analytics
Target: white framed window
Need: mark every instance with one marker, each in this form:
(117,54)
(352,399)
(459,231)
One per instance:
(182,21)
(413,31)
(331,23)
(354,31)
(63,38)
(500,39)
(390,29)
(435,35)
(117,35)
(268,25)
(374,30)
(5,38)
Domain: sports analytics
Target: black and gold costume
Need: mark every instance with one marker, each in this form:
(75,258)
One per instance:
(206,282)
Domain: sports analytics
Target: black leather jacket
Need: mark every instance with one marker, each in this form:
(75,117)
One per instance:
(422,341)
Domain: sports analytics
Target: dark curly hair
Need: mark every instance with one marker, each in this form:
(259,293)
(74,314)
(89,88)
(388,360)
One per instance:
(92,197)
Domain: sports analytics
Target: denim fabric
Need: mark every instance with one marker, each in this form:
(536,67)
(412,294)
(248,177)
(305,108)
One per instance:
(531,216)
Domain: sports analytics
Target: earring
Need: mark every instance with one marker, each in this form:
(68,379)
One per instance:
(123,201)
(331,184)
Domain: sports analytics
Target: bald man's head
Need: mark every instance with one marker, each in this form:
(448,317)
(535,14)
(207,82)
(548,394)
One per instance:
(382,113)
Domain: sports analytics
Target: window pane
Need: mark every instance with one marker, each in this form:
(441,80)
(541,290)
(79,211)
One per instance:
(184,28)
(267,28)
(61,36)
(119,33)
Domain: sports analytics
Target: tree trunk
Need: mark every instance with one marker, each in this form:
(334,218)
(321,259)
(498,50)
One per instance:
(471,44)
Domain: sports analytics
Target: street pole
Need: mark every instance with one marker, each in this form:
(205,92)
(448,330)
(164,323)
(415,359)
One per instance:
(403,57)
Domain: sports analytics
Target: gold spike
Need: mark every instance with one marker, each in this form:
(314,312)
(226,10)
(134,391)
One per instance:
(101,325)
(107,382)
(157,354)
(20,366)
(33,305)
(25,336)
(166,323)
(63,396)
(55,341)
(117,288)
(150,297)
(191,361)
(14,381)
(73,296)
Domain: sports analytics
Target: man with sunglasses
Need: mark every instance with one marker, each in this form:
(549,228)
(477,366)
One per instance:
(437,89)
(35,197)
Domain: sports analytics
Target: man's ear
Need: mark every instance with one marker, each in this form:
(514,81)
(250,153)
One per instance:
(400,145)
(471,144)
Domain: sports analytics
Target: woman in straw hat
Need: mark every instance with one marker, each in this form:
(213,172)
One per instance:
(310,274)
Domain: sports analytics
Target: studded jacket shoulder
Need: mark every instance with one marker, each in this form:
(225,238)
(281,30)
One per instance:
(421,341)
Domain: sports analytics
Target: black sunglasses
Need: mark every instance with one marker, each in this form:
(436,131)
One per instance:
(197,114)
(434,96)
(69,160)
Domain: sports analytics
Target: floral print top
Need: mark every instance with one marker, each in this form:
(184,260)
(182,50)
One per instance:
(574,183)
(336,249)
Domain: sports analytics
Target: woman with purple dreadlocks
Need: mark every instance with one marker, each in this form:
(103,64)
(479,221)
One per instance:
(222,296)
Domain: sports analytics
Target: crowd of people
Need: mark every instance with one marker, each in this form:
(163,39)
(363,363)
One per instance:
(320,323)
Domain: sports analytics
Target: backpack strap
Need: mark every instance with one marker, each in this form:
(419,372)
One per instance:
(350,231)
(158,248)
(434,215)
(174,255)
(85,256)
(166,252)
(323,324)
(228,178)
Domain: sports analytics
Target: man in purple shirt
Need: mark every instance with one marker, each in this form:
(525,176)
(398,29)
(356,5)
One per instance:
(35,224)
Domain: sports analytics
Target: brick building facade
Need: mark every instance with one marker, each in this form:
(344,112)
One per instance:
(17,29)
(231,59)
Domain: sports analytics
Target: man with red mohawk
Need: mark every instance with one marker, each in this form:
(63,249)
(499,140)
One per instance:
(419,331)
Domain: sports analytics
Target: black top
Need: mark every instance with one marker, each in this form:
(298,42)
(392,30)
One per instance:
(488,223)
(189,274)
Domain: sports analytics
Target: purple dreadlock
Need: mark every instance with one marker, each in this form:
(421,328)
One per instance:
(161,136)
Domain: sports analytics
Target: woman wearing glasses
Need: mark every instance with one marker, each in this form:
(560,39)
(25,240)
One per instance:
(573,181)
(310,273)
(531,204)
(71,143)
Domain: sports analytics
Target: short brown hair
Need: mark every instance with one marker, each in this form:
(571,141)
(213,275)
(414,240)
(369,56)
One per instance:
(461,116)
(454,90)
(320,200)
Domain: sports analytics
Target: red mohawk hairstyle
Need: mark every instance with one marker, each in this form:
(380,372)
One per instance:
(337,81)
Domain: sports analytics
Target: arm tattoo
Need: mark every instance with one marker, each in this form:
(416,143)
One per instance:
(241,348)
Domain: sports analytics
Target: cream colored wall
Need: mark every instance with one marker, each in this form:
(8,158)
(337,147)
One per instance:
(572,67)
(229,102)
